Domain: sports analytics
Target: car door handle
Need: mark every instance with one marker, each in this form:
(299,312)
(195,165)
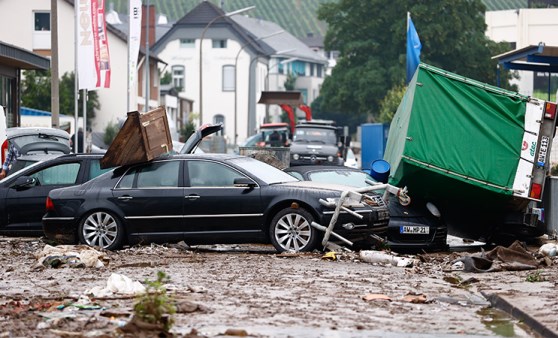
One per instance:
(125,198)
(192,197)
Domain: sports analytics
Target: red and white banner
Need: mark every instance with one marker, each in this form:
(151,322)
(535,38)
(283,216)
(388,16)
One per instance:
(93,57)
(134,36)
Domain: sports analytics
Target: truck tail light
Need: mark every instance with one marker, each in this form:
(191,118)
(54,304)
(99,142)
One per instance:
(550,110)
(536,190)
(49,204)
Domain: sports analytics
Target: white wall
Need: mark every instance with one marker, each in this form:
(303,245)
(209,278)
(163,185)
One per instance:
(526,27)
(215,100)
(17,28)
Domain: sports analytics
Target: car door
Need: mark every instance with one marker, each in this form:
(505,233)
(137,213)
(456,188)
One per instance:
(213,205)
(151,196)
(25,206)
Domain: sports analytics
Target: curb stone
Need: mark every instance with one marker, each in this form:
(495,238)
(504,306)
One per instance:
(528,309)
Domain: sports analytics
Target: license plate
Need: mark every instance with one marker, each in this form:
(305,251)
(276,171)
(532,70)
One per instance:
(541,158)
(414,229)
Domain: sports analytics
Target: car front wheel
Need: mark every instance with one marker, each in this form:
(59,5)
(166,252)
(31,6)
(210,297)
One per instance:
(101,229)
(290,230)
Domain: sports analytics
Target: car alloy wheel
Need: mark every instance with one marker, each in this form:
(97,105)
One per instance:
(291,230)
(101,229)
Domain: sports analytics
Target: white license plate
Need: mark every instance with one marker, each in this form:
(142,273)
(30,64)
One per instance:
(541,158)
(414,229)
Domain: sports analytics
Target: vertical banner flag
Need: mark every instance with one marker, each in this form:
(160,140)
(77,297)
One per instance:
(413,48)
(134,42)
(92,51)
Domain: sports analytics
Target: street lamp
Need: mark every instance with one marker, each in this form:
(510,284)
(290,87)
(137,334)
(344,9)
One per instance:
(236,80)
(201,42)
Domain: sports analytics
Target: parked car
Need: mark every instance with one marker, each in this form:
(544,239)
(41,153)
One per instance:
(416,227)
(24,192)
(204,199)
(37,144)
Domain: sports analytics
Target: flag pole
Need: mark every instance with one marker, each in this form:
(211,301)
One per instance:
(408,18)
(76,89)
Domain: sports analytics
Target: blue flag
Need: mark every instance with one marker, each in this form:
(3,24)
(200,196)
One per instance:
(413,49)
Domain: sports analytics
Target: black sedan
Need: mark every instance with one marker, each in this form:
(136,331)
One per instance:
(23,193)
(412,228)
(205,199)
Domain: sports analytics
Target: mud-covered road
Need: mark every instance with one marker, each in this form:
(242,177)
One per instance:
(252,290)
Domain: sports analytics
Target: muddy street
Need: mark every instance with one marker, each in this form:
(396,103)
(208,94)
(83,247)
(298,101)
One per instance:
(251,290)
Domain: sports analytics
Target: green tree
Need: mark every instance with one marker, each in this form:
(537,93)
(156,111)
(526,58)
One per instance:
(371,38)
(35,90)
(290,82)
(390,103)
(35,94)
(166,78)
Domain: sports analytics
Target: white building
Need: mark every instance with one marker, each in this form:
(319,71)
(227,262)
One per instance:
(27,25)
(521,28)
(241,57)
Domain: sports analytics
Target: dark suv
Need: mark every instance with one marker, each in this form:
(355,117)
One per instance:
(23,193)
(316,143)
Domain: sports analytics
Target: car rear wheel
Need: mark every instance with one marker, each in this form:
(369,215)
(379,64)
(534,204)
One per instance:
(290,230)
(101,229)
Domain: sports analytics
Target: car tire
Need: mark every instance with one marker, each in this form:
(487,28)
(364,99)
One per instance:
(101,229)
(291,230)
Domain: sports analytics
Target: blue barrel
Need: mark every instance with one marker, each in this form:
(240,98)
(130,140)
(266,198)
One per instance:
(379,170)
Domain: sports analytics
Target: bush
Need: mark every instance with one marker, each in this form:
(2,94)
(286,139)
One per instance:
(155,306)
(110,133)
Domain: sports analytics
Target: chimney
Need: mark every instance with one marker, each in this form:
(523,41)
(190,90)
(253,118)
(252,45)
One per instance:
(151,24)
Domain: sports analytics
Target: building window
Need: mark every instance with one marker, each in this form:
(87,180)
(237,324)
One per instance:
(219,119)
(178,77)
(312,69)
(42,21)
(281,68)
(228,78)
(219,43)
(319,71)
(187,43)
(299,68)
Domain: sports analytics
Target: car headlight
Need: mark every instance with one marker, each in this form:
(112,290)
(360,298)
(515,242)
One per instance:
(296,156)
(330,158)
(433,209)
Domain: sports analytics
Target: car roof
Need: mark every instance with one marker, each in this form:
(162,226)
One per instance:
(39,140)
(274,125)
(315,126)
(310,168)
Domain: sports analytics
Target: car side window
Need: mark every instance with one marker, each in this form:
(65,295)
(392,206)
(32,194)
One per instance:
(296,175)
(159,174)
(95,169)
(61,174)
(211,174)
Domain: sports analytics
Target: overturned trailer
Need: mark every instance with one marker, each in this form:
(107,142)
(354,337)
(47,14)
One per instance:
(479,152)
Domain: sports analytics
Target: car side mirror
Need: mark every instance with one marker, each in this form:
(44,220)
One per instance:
(24,182)
(244,182)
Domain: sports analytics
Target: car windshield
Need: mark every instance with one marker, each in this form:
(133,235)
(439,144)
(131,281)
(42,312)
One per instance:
(326,136)
(253,140)
(265,172)
(345,177)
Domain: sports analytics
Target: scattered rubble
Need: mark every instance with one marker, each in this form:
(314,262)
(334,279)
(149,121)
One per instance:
(249,290)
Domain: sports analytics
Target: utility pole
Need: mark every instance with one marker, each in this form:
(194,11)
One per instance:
(54,81)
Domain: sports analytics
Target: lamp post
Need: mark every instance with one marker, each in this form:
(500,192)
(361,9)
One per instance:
(201,49)
(236,80)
